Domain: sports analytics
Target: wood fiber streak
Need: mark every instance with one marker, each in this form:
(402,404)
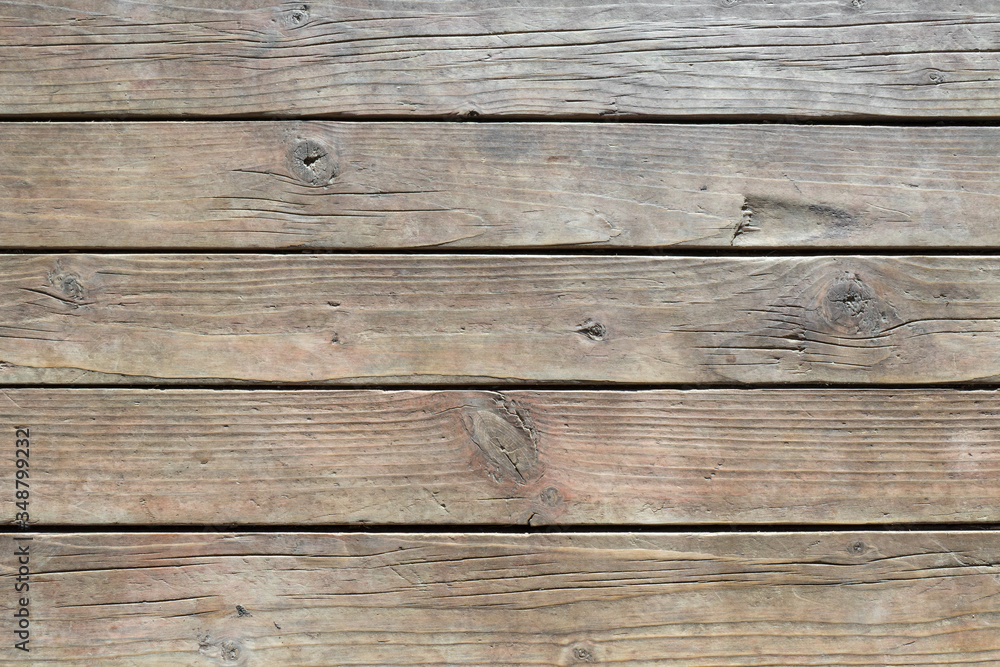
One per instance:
(200,457)
(498,319)
(685,600)
(404,185)
(579,58)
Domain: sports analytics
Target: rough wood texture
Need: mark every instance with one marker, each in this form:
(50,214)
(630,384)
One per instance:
(661,58)
(498,319)
(685,600)
(352,185)
(471,457)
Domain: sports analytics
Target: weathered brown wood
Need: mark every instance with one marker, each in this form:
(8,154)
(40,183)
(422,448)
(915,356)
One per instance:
(869,598)
(498,319)
(200,457)
(396,185)
(663,58)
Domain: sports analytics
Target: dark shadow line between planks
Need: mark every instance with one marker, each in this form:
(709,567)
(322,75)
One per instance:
(230,385)
(226,384)
(706,252)
(650,119)
(506,529)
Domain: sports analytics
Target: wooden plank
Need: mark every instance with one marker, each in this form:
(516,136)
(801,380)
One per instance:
(497,319)
(685,600)
(663,58)
(498,185)
(196,457)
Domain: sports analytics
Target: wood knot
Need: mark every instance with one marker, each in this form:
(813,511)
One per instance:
(747,222)
(312,162)
(230,651)
(791,217)
(296,17)
(550,496)
(225,650)
(857,548)
(852,307)
(66,283)
(593,330)
(505,439)
(837,217)
(583,654)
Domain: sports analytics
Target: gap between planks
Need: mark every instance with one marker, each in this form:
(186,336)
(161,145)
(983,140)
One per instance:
(487,530)
(541,121)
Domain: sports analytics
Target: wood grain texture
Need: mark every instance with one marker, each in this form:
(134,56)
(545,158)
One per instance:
(497,185)
(195,457)
(808,58)
(685,600)
(498,319)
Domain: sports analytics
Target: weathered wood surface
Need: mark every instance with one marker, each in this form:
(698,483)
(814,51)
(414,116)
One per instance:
(199,457)
(868,598)
(662,58)
(498,319)
(396,185)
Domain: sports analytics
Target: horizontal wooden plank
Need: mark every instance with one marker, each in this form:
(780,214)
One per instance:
(685,600)
(809,58)
(496,185)
(498,319)
(197,457)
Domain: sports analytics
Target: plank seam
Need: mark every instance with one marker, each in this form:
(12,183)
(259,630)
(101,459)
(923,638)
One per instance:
(665,252)
(589,385)
(504,529)
(734,119)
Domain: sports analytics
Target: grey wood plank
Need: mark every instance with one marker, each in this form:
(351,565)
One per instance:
(579,58)
(498,319)
(805,456)
(494,185)
(684,600)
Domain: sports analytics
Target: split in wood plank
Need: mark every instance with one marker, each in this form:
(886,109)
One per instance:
(684,600)
(498,319)
(663,58)
(197,457)
(495,185)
